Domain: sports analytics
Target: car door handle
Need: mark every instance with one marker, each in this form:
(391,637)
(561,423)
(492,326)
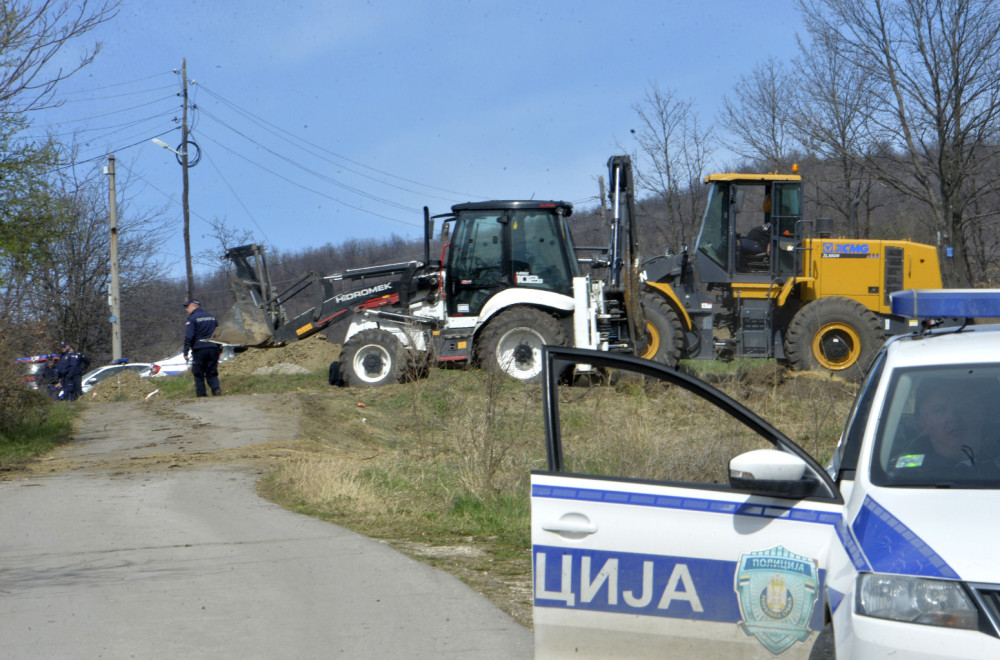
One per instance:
(572,524)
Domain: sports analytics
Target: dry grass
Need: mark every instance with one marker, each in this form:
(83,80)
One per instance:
(439,467)
(330,482)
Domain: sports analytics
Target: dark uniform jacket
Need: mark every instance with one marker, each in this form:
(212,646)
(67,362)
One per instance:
(199,327)
(71,364)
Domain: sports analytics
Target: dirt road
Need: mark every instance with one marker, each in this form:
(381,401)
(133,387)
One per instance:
(143,538)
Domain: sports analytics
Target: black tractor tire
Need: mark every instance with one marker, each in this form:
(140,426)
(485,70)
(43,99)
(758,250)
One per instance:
(834,334)
(371,358)
(512,342)
(664,336)
(335,378)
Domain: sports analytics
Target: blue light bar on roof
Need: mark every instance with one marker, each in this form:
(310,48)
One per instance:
(946,303)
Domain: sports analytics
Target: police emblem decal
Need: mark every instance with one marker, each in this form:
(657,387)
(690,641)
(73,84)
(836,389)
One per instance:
(777,591)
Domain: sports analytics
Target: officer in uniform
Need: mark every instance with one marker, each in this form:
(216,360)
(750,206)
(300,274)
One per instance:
(204,354)
(70,370)
(46,377)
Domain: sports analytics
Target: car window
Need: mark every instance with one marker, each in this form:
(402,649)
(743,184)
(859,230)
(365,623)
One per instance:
(845,460)
(937,428)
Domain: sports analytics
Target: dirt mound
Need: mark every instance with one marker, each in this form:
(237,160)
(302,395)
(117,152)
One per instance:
(311,354)
(123,386)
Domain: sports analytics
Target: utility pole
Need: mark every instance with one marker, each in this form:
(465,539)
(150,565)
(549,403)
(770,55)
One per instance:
(184,167)
(113,293)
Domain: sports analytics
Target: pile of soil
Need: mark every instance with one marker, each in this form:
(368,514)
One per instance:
(311,354)
(123,386)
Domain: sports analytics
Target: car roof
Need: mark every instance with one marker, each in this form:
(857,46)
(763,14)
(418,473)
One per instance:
(970,345)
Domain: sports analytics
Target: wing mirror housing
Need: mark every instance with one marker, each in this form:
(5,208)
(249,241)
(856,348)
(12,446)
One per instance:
(771,473)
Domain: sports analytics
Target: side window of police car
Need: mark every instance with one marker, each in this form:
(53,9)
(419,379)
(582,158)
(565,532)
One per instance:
(845,458)
(649,430)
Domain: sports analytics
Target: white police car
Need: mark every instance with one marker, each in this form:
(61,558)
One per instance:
(889,552)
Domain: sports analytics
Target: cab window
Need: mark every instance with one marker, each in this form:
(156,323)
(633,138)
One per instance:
(539,252)
(714,239)
(475,261)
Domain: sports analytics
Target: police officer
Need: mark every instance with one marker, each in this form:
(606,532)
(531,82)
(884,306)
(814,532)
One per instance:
(204,354)
(70,370)
(46,377)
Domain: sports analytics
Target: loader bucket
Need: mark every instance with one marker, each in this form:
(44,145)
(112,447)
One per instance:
(245,324)
(253,317)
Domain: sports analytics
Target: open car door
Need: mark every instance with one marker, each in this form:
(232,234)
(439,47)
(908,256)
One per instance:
(656,534)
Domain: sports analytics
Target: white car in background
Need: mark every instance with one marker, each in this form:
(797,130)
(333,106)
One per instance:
(90,379)
(889,552)
(177,365)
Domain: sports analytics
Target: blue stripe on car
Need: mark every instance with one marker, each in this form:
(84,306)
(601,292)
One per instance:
(687,503)
(892,547)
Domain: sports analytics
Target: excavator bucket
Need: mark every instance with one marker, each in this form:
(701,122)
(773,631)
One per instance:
(254,315)
(244,325)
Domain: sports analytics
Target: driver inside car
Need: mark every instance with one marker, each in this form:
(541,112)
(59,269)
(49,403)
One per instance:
(951,421)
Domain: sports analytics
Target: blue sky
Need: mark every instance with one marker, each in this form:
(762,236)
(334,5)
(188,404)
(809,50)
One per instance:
(322,120)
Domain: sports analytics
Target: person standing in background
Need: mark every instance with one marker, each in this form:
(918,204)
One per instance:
(70,370)
(204,354)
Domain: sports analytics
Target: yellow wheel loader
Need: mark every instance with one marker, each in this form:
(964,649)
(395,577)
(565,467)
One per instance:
(762,282)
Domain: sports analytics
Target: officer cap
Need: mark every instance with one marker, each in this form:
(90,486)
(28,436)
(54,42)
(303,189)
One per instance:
(192,302)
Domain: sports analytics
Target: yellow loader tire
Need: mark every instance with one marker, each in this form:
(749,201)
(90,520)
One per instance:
(665,339)
(834,334)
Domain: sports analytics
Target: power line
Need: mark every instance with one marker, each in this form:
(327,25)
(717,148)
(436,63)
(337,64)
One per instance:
(113,85)
(233,190)
(105,154)
(278,129)
(318,175)
(315,192)
(109,113)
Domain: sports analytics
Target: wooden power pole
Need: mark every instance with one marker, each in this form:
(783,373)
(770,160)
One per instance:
(113,293)
(184,167)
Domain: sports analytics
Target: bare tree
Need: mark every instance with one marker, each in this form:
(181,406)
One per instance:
(226,236)
(32,33)
(829,112)
(672,156)
(758,115)
(69,276)
(933,105)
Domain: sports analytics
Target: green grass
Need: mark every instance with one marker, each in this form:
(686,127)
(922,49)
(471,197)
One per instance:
(48,426)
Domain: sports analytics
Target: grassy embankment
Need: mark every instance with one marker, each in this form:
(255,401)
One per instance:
(440,468)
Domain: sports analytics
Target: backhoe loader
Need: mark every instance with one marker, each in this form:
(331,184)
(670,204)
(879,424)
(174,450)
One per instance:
(508,283)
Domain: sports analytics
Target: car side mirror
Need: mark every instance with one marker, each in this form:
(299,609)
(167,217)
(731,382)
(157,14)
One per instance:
(772,473)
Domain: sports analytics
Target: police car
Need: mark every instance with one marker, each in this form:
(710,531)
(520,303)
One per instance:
(889,551)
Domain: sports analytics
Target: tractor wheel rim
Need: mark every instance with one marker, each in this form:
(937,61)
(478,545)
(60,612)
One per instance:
(836,346)
(519,353)
(652,343)
(372,363)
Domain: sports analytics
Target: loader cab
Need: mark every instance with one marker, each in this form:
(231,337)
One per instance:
(749,228)
(507,244)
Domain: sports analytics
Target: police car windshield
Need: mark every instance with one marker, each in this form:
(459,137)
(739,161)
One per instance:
(938,428)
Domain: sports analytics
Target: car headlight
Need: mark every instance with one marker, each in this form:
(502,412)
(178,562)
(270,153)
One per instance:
(916,600)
